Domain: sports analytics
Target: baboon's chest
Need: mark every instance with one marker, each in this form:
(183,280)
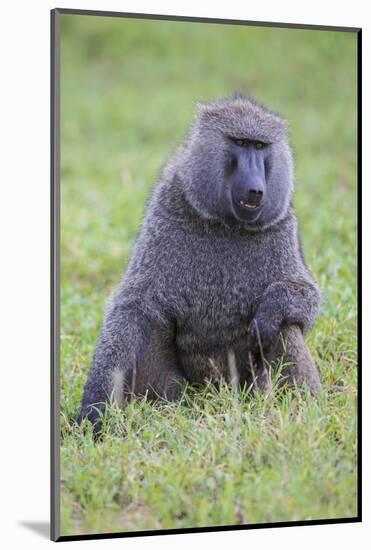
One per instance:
(221,289)
(219,309)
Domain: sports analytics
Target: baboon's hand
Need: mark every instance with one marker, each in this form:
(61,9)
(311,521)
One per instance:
(264,330)
(93,415)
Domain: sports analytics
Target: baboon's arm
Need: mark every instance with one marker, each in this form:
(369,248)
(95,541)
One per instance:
(122,344)
(284,303)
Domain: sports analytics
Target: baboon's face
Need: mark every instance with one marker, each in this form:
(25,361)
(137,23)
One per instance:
(256,181)
(240,165)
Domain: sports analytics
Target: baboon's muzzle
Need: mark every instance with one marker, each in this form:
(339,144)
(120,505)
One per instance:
(248,185)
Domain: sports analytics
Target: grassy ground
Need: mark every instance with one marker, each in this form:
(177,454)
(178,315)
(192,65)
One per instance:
(128,93)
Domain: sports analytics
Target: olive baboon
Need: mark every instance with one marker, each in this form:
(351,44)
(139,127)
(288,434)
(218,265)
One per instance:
(217,270)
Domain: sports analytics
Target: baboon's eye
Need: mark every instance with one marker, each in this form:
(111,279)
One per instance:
(259,145)
(239,142)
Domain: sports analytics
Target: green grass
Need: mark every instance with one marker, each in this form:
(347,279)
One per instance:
(128,94)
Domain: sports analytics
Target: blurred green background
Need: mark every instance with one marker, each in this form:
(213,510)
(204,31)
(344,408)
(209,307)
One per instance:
(128,94)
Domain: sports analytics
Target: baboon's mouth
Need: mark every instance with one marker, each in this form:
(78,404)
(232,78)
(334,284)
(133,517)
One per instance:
(246,211)
(248,205)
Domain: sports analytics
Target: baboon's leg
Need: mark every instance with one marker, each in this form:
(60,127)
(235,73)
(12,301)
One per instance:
(298,365)
(132,358)
(159,375)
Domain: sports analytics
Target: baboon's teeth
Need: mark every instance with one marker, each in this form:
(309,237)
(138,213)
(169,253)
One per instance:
(247,205)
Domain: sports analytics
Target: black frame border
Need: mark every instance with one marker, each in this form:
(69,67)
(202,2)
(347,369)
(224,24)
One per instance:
(55,273)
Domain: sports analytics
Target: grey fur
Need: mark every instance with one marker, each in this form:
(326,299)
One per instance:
(204,284)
